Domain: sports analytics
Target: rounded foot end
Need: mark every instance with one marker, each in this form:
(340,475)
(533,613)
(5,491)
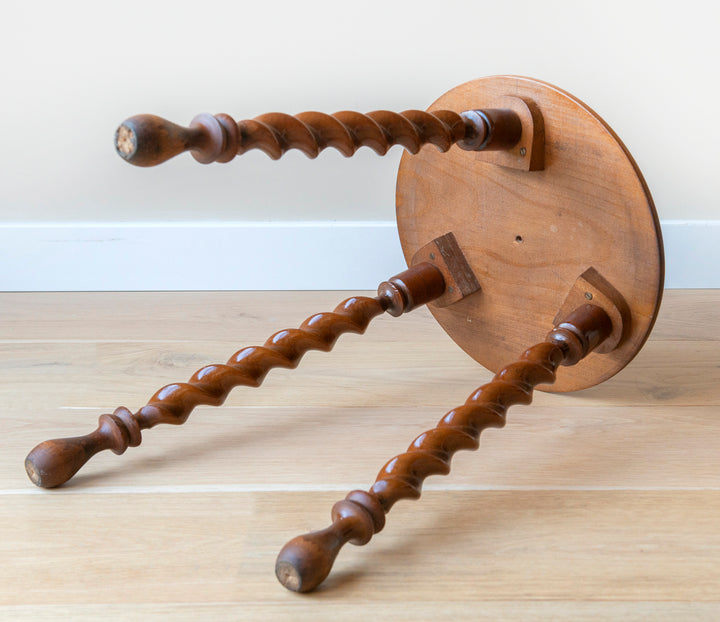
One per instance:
(52,463)
(305,561)
(45,470)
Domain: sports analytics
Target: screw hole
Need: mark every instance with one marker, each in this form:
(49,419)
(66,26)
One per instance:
(518,239)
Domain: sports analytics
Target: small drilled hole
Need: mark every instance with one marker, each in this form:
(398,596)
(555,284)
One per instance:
(518,239)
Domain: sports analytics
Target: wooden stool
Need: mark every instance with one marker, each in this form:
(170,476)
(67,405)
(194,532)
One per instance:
(530,223)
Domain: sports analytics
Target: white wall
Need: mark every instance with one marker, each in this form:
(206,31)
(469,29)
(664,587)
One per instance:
(72,70)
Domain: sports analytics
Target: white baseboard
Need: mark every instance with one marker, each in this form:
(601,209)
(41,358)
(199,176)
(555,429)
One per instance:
(692,253)
(198,256)
(257,255)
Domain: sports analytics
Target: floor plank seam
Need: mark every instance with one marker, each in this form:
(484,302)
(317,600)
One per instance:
(339,488)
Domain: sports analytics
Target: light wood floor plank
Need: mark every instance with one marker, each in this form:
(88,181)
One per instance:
(242,316)
(683,373)
(302,610)
(541,446)
(448,546)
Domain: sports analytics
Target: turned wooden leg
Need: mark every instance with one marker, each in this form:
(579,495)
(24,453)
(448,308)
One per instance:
(54,462)
(147,140)
(305,561)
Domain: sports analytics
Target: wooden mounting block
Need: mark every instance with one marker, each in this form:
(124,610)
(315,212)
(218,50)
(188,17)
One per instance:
(528,235)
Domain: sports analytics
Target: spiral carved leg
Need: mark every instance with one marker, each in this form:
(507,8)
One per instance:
(305,561)
(54,462)
(147,140)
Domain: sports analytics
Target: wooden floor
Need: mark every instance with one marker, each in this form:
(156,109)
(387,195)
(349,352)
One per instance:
(602,505)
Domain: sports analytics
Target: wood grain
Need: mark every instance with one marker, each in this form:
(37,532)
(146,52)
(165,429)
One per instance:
(596,505)
(476,610)
(529,235)
(186,316)
(260,447)
(581,545)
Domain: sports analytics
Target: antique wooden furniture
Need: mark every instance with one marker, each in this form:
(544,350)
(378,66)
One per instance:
(529,223)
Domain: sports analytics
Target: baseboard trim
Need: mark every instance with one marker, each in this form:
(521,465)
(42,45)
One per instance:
(258,255)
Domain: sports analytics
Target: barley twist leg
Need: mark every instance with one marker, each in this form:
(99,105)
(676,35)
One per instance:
(305,561)
(147,140)
(54,462)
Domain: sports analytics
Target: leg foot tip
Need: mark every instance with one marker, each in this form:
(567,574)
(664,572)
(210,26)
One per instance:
(289,576)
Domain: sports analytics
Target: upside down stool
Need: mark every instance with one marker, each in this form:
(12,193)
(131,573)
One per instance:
(529,223)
